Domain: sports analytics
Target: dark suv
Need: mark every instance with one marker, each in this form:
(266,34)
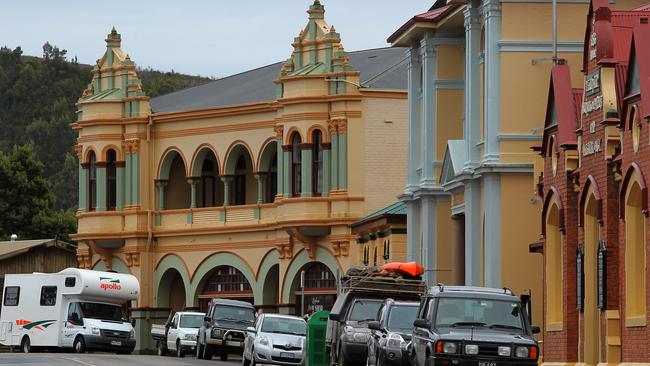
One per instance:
(224,328)
(459,325)
(391,333)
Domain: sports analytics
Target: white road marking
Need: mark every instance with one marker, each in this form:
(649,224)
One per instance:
(78,361)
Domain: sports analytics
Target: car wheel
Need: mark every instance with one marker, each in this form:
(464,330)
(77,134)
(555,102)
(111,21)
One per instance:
(25,345)
(223,356)
(207,352)
(252,363)
(244,361)
(79,345)
(160,348)
(339,356)
(370,360)
(199,350)
(179,350)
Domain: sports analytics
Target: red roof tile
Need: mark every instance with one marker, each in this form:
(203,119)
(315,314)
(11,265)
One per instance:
(432,16)
(644,7)
(642,54)
(567,101)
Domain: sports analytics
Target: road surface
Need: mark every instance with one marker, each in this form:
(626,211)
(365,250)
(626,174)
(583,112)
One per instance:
(104,359)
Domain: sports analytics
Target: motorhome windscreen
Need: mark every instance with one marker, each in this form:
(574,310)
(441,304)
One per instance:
(99,311)
(191,321)
(494,314)
(233,313)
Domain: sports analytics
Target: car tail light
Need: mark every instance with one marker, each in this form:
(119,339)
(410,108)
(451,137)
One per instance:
(533,352)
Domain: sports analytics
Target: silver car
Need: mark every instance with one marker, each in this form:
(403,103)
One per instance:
(276,339)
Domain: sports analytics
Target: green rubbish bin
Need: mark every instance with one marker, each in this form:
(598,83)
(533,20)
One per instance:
(316,329)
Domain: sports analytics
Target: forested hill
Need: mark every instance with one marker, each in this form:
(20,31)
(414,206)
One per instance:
(37,105)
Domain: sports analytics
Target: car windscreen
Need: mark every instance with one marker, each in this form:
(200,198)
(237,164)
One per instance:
(494,314)
(191,321)
(284,326)
(108,312)
(401,317)
(364,310)
(233,313)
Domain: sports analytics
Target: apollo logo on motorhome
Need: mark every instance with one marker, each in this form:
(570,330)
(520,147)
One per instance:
(108,283)
(39,325)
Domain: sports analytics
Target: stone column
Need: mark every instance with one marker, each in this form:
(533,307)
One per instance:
(128,176)
(414,241)
(227,180)
(334,166)
(100,185)
(119,185)
(472,125)
(427,49)
(280,165)
(492,246)
(161,184)
(261,185)
(414,122)
(472,233)
(429,242)
(192,182)
(286,160)
(327,147)
(343,154)
(492,14)
(306,168)
(135,176)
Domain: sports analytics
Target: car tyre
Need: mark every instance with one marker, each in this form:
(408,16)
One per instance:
(179,350)
(244,361)
(160,348)
(223,356)
(25,345)
(340,358)
(199,350)
(207,352)
(79,345)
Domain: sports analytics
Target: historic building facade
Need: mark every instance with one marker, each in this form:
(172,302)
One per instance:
(475,101)
(594,157)
(233,188)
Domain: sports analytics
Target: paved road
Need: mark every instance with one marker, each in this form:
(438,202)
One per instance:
(100,359)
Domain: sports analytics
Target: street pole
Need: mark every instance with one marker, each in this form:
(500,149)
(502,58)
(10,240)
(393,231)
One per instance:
(302,292)
(554,56)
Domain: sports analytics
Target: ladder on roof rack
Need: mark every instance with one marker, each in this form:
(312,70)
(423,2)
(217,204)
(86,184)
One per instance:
(388,285)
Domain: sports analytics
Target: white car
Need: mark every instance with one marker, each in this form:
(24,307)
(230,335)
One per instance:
(179,334)
(276,339)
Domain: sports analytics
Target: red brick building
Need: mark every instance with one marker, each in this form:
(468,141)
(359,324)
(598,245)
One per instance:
(596,152)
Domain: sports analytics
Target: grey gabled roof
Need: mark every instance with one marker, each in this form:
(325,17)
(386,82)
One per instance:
(381,68)
(9,249)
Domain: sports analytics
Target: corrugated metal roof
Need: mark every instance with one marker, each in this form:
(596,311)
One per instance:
(10,249)
(382,68)
(433,15)
(395,209)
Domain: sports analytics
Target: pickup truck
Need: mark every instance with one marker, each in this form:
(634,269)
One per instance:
(224,329)
(178,334)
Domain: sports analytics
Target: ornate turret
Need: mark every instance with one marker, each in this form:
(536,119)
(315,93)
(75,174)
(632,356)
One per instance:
(318,51)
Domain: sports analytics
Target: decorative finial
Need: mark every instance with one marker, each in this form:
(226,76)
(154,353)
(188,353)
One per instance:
(113,31)
(113,39)
(332,30)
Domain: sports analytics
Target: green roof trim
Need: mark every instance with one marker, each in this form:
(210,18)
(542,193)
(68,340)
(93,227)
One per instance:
(395,209)
(110,94)
(310,69)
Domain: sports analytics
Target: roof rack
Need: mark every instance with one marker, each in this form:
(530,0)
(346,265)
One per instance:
(388,285)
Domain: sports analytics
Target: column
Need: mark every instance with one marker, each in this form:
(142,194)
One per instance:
(227,180)
(414,240)
(343,154)
(492,15)
(161,184)
(261,180)
(286,160)
(472,123)
(492,265)
(306,168)
(472,233)
(414,125)
(327,147)
(429,244)
(334,166)
(192,182)
(427,50)
(83,187)
(135,176)
(128,183)
(100,185)
(280,157)
(119,185)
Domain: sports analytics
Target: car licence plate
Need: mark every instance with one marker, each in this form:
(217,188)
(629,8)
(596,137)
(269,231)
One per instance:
(235,344)
(286,354)
(116,343)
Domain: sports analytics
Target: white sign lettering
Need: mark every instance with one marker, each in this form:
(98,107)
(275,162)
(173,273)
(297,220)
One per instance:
(592,127)
(590,148)
(592,105)
(592,83)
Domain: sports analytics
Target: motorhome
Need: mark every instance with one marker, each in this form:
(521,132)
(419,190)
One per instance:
(76,309)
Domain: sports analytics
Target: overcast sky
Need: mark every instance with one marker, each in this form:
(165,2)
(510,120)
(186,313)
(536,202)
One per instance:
(206,37)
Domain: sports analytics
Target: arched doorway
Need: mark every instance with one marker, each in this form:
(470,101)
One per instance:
(553,253)
(171,291)
(320,288)
(225,282)
(270,293)
(591,227)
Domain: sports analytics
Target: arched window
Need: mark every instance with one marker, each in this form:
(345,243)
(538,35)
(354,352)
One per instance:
(635,286)
(209,184)
(111,179)
(272,180)
(317,163)
(225,282)
(320,288)
(240,181)
(296,181)
(92,181)
(553,253)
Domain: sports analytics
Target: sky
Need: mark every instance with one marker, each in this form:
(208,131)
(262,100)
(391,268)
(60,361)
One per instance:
(212,38)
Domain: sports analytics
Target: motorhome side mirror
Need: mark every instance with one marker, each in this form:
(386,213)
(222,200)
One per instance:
(207,319)
(133,322)
(335,317)
(421,323)
(535,329)
(251,330)
(374,325)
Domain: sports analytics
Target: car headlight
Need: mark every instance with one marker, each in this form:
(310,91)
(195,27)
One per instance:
(395,341)
(471,349)
(264,341)
(349,333)
(521,352)
(189,337)
(360,337)
(216,333)
(132,334)
(505,351)
(446,347)
(95,331)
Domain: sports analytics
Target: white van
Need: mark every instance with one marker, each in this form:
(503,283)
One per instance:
(75,308)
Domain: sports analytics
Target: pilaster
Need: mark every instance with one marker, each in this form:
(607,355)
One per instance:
(472,233)
(327,148)
(472,125)
(429,244)
(428,53)
(492,251)
(286,167)
(492,13)
(119,185)
(334,167)
(414,241)
(305,169)
(414,124)
(100,185)
(343,154)
(281,169)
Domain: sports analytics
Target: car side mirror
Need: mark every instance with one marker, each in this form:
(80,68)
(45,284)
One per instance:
(374,325)
(535,329)
(133,322)
(335,317)
(251,330)
(421,323)
(207,319)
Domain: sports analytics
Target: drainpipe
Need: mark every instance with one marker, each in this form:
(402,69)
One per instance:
(554,55)
(149,213)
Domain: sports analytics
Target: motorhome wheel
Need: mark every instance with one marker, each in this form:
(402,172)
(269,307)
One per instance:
(25,345)
(79,345)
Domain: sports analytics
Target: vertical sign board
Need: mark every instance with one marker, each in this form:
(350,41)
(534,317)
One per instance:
(580,277)
(602,275)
